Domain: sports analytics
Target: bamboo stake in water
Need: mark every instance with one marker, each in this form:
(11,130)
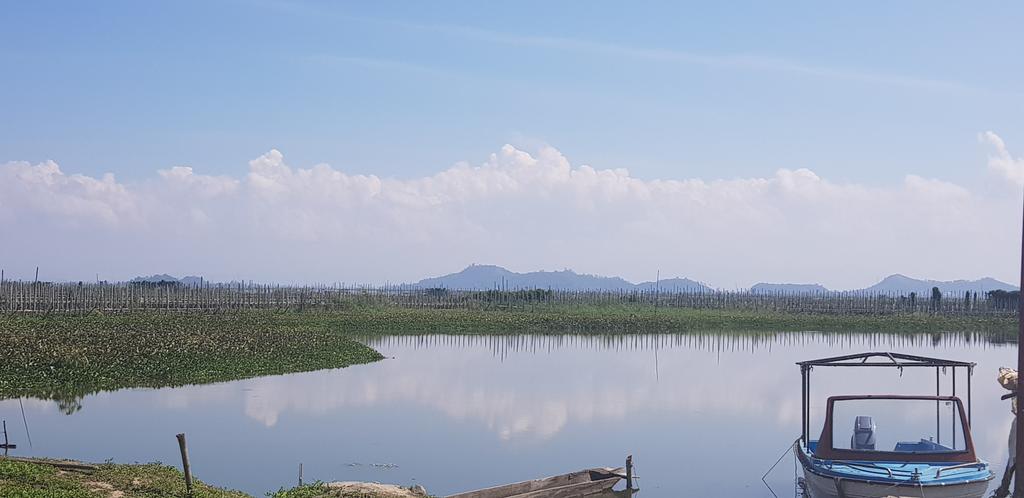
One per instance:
(629,472)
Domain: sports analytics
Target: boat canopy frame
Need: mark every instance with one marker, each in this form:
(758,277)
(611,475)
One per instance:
(881,359)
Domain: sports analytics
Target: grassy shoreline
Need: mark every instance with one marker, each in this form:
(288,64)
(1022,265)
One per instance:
(33,480)
(64,357)
(36,479)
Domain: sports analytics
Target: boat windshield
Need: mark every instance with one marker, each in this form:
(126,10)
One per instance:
(897,425)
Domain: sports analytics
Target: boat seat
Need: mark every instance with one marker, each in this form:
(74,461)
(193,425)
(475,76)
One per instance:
(863,437)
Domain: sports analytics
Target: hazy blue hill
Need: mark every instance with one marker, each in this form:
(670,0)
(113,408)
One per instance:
(162,277)
(483,277)
(767,288)
(570,280)
(902,284)
(478,277)
(473,277)
(486,277)
(675,285)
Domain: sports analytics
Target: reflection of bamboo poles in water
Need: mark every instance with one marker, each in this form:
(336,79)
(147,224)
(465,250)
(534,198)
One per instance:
(502,346)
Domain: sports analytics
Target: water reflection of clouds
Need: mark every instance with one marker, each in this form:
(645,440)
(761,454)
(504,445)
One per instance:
(537,394)
(541,385)
(533,387)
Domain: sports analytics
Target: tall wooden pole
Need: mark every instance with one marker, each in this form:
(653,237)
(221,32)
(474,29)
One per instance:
(1018,463)
(629,472)
(186,468)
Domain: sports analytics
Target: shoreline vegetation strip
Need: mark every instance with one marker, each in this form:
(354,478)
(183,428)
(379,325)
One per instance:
(64,357)
(24,479)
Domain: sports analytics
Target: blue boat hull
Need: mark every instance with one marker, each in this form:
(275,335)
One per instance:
(837,479)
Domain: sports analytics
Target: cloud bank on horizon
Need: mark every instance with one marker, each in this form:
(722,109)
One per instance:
(526,211)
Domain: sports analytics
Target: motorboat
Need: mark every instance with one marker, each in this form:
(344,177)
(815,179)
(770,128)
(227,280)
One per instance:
(887,445)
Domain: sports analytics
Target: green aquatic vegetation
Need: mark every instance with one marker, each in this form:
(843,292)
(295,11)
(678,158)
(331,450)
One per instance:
(64,357)
(617,319)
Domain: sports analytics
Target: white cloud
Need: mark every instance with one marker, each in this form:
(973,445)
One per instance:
(1000,161)
(208,186)
(45,189)
(520,209)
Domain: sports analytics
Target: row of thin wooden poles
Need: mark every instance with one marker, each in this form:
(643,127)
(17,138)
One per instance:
(17,296)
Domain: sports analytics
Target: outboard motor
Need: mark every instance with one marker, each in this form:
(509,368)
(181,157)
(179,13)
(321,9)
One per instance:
(863,433)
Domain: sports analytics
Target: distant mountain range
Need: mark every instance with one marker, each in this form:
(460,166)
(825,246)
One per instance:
(902,284)
(486,277)
(481,277)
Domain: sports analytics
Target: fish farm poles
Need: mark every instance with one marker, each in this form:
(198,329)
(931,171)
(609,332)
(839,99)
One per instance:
(1018,463)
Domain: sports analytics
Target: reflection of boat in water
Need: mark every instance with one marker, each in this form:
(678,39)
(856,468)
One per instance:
(590,482)
(874,446)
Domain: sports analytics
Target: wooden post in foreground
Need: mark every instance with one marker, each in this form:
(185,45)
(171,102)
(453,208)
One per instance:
(1018,463)
(629,472)
(185,467)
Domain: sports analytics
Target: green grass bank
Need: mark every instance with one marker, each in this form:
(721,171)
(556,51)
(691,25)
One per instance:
(20,479)
(645,319)
(31,480)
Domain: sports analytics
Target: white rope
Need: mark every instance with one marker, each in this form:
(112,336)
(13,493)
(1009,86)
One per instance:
(765,476)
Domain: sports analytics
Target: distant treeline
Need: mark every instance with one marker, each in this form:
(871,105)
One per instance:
(47,297)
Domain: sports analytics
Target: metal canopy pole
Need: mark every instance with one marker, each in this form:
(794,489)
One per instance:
(808,429)
(970,375)
(803,404)
(938,435)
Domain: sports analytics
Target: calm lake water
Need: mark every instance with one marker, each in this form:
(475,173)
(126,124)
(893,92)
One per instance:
(703,415)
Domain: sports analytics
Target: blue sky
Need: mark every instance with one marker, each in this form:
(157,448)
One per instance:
(865,91)
(876,101)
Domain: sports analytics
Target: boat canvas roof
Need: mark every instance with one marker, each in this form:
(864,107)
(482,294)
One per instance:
(879,359)
(884,359)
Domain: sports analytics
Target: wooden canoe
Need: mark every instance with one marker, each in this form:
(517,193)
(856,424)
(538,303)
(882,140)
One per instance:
(574,484)
(72,465)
